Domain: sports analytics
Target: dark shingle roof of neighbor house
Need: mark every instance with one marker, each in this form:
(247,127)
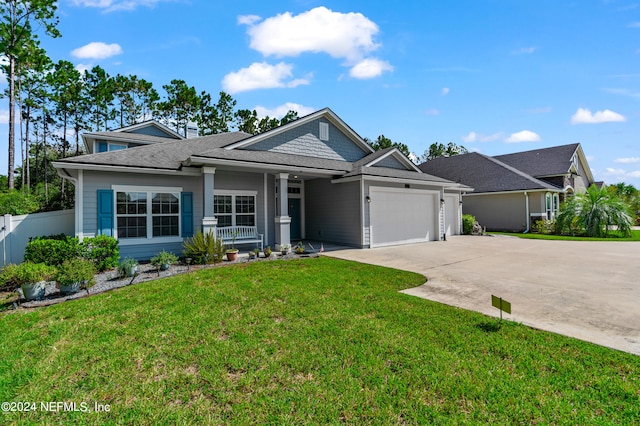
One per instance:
(483,173)
(542,162)
(134,137)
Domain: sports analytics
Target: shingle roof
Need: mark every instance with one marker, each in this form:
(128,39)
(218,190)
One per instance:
(166,155)
(542,162)
(485,174)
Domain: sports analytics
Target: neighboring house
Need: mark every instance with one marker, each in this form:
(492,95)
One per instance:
(513,191)
(311,179)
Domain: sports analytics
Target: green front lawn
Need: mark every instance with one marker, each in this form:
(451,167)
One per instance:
(635,236)
(315,341)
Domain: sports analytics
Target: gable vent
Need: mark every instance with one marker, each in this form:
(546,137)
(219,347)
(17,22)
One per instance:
(324,131)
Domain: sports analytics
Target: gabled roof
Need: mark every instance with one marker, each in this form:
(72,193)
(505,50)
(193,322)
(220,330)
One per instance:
(483,173)
(553,161)
(325,113)
(151,123)
(167,155)
(232,151)
(377,157)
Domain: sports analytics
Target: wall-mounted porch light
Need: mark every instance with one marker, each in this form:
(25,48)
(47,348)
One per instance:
(368,199)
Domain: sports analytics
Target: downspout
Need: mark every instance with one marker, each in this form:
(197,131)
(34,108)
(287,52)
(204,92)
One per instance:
(526,200)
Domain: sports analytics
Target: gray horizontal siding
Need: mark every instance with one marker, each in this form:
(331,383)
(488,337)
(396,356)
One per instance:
(333,212)
(305,140)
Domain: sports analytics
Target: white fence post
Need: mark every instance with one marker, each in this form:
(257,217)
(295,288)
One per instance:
(6,230)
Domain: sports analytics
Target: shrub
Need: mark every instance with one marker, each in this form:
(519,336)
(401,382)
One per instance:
(163,258)
(52,250)
(103,251)
(128,267)
(204,248)
(544,226)
(13,276)
(75,271)
(467,223)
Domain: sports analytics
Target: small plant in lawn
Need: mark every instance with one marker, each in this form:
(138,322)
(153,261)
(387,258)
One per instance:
(204,248)
(164,260)
(128,267)
(300,248)
(267,252)
(74,274)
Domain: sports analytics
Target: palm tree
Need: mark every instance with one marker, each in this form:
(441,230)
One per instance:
(593,212)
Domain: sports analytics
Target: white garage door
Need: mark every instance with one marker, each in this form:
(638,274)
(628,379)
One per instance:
(399,216)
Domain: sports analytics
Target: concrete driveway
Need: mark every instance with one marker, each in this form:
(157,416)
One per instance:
(587,290)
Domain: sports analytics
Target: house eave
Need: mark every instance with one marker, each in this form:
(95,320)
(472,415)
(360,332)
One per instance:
(517,191)
(184,171)
(445,185)
(261,167)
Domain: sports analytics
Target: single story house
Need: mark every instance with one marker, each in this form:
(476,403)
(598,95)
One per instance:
(513,191)
(313,179)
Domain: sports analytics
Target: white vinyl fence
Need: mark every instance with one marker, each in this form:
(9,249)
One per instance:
(15,231)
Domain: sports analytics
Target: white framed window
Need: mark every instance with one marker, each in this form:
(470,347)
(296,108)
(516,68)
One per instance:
(235,208)
(147,212)
(552,204)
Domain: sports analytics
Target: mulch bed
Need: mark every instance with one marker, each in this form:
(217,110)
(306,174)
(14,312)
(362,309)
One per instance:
(110,280)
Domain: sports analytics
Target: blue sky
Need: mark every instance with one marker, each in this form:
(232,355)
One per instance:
(496,76)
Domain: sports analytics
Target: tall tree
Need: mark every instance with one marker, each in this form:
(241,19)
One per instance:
(207,116)
(180,106)
(16,32)
(225,107)
(99,91)
(383,142)
(440,150)
(247,121)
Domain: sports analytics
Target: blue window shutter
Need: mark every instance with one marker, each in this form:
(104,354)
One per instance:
(105,212)
(187,214)
(103,147)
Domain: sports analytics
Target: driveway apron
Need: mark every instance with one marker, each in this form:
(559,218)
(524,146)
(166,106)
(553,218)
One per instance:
(583,289)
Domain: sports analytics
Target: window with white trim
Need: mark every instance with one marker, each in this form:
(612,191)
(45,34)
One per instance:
(237,209)
(147,212)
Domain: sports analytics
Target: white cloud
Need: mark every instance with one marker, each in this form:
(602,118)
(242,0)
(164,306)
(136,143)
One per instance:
(524,51)
(4,116)
(248,19)
(627,160)
(616,172)
(478,137)
(281,110)
(341,35)
(83,67)
(445,91)
(97,50)
(523,136)
(634,25)
(114,5)
(432,111)
(623,92)
(635,174)
(369,68)
(584,116)
(261,76)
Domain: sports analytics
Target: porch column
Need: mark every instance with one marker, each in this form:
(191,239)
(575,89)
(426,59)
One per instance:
(282,219)
(209,221)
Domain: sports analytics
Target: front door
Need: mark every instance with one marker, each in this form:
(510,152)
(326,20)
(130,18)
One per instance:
(294,214)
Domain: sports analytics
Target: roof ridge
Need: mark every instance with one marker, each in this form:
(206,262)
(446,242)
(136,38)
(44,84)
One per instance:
(516,171)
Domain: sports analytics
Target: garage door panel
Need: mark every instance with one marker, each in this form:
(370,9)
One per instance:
(402,216)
